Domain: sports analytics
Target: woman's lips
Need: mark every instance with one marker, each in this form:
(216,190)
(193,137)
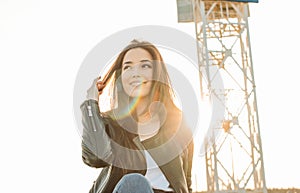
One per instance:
(138,83)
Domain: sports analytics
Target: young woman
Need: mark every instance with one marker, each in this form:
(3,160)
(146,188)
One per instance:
(142,143)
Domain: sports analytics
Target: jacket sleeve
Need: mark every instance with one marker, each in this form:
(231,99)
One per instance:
(190,163)
(187,164)
(96,147)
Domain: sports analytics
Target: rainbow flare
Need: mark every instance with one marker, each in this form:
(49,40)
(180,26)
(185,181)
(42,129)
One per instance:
(127,110)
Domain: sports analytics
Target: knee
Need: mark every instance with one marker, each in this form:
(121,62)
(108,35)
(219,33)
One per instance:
(134,177)
(133,182)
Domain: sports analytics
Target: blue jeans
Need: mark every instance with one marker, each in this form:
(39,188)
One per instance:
(133,183)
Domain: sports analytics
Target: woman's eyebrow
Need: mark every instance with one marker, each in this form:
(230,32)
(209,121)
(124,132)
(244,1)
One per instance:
(128,62)
(146,60)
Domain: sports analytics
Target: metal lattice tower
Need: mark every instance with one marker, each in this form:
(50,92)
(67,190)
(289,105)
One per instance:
(234,156)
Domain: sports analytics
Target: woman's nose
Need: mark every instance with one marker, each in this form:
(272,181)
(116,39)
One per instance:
(135,71)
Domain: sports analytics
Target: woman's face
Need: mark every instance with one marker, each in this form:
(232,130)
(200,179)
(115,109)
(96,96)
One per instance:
(137,72)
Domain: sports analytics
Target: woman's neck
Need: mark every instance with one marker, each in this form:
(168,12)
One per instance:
(142,106)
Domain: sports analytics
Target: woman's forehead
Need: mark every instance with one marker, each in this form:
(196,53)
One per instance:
(137,55)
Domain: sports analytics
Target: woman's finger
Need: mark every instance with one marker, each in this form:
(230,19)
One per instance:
(100,86)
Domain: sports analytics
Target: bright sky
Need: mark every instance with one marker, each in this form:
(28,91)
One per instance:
(42,45)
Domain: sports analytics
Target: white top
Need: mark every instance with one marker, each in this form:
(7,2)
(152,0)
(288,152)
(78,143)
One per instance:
(154,174)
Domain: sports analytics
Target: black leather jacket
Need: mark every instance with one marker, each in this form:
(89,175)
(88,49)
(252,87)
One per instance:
(172,151)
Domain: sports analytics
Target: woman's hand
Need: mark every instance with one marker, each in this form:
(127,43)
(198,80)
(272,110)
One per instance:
(95,90)
(100,86)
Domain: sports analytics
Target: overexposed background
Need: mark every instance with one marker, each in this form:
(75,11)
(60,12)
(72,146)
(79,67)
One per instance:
(42,45)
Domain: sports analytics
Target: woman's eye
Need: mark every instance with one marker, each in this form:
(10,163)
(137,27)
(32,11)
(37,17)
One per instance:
(146,66)
(126,67)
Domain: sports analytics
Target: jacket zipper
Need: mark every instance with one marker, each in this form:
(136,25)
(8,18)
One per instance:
(89,107)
